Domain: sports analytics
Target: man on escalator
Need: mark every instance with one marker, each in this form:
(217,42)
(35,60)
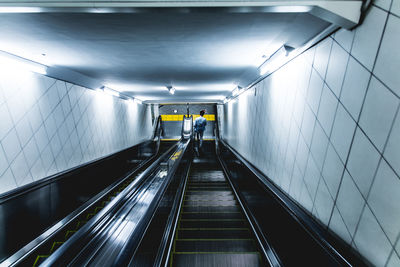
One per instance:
(199,128)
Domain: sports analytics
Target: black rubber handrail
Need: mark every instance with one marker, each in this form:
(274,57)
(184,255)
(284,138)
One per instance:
(268,251)
(129,250)
(164,251)
(100,219)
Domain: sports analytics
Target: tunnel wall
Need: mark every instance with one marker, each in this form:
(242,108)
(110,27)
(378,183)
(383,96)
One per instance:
(48,126)
(325,128)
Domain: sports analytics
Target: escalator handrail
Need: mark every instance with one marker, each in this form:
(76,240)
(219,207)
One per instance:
(167,240)
(129,249)
(111,207)
(268,251)
(297,212)
(28,249)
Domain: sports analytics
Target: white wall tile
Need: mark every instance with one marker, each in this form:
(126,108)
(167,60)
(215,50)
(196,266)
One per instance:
(384,200)
(307,126)
(321,58)
(311,177)
(3,161)
(319,146)
(327,109)
(336,68)
(6,121)
(20,169)
(31,152)
(51,118)
(35,118)
(24,131)
(378,113)
(345,38)
(395,7)
(385,4)
(368,36)
(388,61)
(11,145)
(363,162)
(370,239)
(350,203)
(315,91)
(7,181)
(394,260)
(354,87)
(342,132)
(392,150)
(332,171)
(323,203)
(338,227)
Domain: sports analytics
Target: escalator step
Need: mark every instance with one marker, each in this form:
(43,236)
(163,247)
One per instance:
(210,193)
(238,223)
(214,233)
(224,203)
(243,245)
(217,259)
(204,215)
(210,197)
(207,183)
(215,209)
(201,189)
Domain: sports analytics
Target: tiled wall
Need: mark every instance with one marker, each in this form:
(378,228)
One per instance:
(326,129)
(48,126)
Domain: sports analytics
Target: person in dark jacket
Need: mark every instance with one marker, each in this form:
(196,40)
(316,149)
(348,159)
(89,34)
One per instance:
(199,127)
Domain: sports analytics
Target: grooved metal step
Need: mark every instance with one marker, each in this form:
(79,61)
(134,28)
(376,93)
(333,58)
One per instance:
(242,233)
(200,245)
(217,259)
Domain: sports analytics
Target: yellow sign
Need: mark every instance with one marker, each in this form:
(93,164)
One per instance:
(179,117)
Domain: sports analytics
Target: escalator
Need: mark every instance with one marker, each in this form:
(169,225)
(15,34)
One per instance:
(212,229)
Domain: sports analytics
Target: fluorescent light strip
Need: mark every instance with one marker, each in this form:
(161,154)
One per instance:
(10,61)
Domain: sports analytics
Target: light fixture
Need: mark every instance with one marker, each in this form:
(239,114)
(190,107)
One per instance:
(137,101)
(9,61)
(110,91)
(276,60)
(237,90)
(171,89)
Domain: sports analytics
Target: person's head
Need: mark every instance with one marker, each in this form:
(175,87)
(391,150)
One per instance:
(202,112)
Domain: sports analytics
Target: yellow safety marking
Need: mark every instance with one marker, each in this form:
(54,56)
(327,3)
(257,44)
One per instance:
(97,209)
(169,139)
(68,234)
(54,244)
(38,258)
(179,117)
(90,215)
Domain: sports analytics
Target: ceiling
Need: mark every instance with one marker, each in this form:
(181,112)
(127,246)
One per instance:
(202,54)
